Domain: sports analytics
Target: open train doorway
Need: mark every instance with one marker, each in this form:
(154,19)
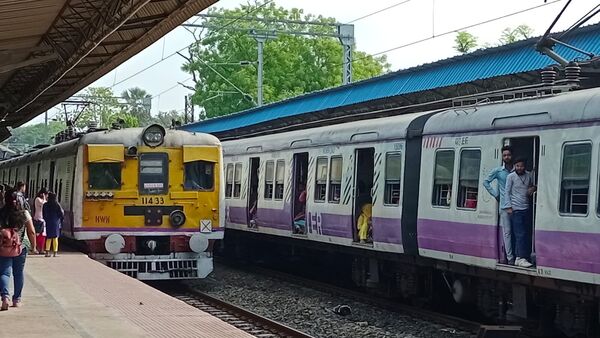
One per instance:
(253,191)
(527,148)
(363,186)
(299,193)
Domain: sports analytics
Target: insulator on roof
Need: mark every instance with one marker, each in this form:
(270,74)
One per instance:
(548,76)
(572,72)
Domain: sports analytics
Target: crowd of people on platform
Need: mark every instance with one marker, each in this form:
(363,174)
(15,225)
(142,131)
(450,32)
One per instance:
(25,230)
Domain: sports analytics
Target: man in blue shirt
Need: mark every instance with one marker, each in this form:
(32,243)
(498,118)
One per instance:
(499,174)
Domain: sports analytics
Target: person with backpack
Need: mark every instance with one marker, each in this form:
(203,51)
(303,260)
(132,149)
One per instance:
(53,217)
(17,238)
(38,219)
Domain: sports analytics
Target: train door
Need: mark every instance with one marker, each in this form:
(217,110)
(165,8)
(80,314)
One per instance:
(528,148)
(299,193)
(253,191)
(363,186)
(30,189)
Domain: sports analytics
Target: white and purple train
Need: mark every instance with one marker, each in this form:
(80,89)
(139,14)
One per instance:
(423,174)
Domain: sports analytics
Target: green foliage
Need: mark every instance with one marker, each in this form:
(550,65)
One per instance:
(138,105)
(293,64)
(165,118)
(106,109)
(28,136)
(465,42)
(510,35)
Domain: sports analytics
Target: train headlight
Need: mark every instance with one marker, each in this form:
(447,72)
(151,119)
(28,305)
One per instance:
(153,135)
(114,243)
(177,218)
(198,243)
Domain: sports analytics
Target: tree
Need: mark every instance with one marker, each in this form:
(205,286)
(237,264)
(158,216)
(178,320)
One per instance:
(166,118)
(28,136)
(512,35)
(465,42)
(104,109)
(293,64)
(139,104)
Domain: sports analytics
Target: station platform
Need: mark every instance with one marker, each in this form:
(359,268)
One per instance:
(74,296)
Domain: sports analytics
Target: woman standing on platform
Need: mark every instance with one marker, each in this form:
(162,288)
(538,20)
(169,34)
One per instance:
(38,219)
(53,216)
(16,221)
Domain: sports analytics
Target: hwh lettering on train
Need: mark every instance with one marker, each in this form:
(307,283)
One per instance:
(102,219)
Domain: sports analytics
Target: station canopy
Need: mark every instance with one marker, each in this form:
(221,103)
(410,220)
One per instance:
(51,49)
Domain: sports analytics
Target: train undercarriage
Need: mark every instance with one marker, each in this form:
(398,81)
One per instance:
(544,307)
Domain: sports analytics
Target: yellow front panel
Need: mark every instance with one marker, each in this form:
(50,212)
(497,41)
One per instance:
(197,205)
(106,153)
(200,153)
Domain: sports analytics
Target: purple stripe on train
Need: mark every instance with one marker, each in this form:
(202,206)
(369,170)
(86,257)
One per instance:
(477,240)
(330,224)
(387,230)
(236,215)
(568,250)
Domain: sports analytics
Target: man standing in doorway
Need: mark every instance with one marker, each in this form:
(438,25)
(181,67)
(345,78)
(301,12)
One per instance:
(519,188)
(499,174)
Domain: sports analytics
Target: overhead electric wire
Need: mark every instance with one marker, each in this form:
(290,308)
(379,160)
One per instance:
(191,44)
(582,20)
(451,31)
(378,11)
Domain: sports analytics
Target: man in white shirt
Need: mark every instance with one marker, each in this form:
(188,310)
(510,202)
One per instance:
(519,188)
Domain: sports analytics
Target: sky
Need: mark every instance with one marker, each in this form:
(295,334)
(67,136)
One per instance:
(399,23)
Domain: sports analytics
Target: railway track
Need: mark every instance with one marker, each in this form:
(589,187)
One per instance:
(457,323)
(243,319)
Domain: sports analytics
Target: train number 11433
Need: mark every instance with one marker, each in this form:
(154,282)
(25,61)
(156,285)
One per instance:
(153,200)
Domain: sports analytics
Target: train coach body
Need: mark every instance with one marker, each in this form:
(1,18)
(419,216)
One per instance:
(148,209)
(424,173)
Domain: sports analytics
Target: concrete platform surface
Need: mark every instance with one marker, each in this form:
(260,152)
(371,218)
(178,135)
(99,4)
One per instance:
(75,296)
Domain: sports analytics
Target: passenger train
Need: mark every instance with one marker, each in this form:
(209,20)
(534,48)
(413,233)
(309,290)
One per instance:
(431,215)
(142,201)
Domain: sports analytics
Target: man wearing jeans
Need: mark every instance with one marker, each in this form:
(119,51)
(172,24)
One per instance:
(519,187)
(499,174)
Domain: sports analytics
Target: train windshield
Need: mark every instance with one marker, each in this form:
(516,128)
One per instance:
(104,176)
(154,173)
(199,175)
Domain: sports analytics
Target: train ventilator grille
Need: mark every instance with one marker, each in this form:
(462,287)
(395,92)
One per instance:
(163,269)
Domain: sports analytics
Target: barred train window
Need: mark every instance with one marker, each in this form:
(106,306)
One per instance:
(392,178)
(468,179)
(237,180)
(575,178)
(279,179)
(335,179)
(443,176)
(229,180)
(321,179)
(269,172)
(198,175)
(102,176)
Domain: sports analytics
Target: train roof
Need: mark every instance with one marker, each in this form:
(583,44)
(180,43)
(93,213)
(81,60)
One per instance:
(128,137)
(366,130)
(564,108)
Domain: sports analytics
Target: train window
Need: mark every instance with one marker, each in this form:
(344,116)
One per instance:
(442,179)
(198,175)
(393,162)
(102,176)
(335,179)
(468,179)
(154,173)
(269,172)
(59,193)
(229,180)
(321,179)
(279,179)
(237,180)
(575,178)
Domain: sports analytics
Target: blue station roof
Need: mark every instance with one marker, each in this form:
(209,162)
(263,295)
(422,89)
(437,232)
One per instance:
(518,57)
